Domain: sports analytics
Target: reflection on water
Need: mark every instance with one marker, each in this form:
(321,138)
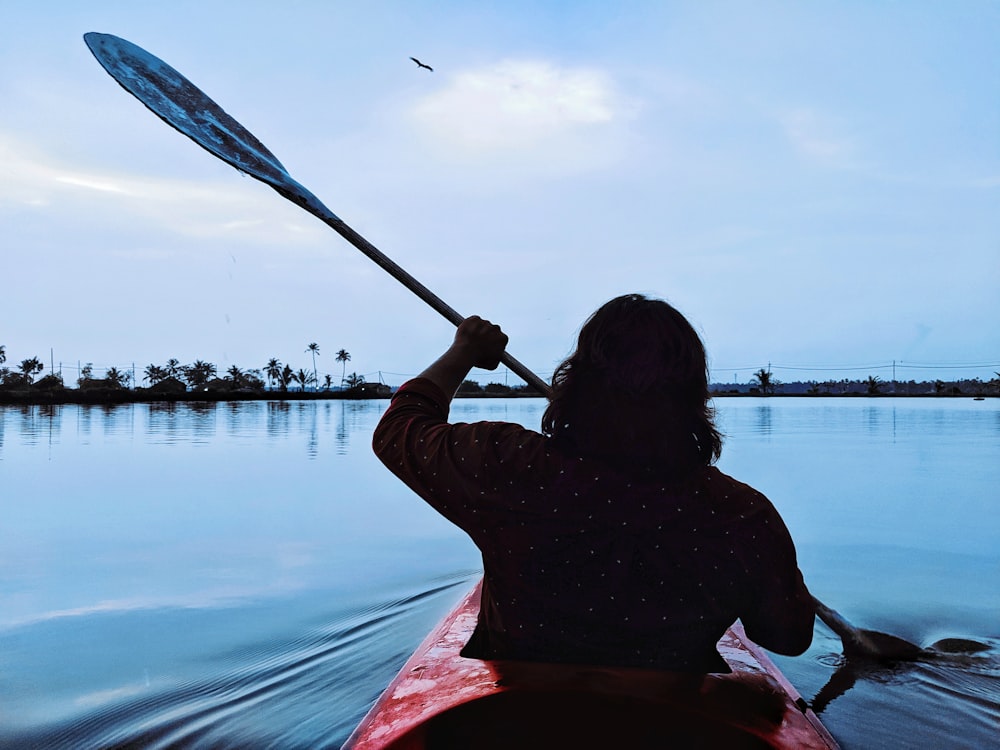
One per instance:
(194,423)
(764,419)
(277,418)
(247,574)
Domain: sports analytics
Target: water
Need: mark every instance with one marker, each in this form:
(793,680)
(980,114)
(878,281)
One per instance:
(248,575)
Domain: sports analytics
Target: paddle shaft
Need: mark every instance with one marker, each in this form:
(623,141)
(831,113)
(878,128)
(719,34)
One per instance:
(398,273)
(300,196)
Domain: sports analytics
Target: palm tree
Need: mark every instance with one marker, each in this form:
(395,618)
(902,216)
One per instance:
(173,368)
(116,378)
(252,379)
(764,379)
(303,378)
(343,357)
(154,374)
(287,376)
(354,380)
(30,368)
(314,349)
(873,384)
(235,374)
(327,381)
(273,370)
(199,373)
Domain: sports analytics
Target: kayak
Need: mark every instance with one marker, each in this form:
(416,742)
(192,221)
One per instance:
(440,699)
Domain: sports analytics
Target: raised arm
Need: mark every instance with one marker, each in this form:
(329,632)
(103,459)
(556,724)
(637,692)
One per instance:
(477,343)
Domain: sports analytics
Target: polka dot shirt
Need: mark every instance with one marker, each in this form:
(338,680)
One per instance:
(585,564)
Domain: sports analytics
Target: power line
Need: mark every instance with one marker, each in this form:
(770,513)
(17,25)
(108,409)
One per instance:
(936,366)
(874,366)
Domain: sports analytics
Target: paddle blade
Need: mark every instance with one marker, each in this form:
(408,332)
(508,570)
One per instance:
(183,106)
(866,644)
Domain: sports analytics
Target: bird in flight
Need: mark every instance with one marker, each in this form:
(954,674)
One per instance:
(420,64)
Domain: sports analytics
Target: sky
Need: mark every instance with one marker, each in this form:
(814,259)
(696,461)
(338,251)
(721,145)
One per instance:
(814,185)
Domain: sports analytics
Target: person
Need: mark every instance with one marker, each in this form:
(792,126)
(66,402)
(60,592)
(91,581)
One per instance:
(609,537)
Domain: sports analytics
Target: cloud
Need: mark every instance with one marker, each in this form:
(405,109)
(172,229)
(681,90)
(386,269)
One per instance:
(85,182)
(37,181)
(517,107)
(818,139)
(986,183)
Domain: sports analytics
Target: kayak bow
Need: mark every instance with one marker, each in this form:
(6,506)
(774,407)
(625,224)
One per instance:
(442,700)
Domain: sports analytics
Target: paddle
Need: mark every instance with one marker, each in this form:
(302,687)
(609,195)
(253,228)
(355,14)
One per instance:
(183,106)
(867,644)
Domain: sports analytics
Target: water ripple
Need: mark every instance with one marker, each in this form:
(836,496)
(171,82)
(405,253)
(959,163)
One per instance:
(280,693)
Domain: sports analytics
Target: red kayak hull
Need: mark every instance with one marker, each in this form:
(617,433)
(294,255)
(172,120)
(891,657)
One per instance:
(442,700)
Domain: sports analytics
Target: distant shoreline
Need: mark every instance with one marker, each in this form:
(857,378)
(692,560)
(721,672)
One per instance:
(22,397)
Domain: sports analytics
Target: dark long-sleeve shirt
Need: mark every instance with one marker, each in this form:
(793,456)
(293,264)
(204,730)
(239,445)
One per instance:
(585,564)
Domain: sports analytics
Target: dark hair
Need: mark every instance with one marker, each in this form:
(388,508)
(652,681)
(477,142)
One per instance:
(635,391)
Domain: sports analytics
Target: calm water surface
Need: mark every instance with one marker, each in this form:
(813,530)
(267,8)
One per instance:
(248,575)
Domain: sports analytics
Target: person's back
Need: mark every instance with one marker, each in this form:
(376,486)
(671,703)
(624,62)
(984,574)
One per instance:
(620,545)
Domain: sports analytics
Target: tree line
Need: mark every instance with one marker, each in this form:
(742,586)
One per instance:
(764,383)
(284,377)
(196,375)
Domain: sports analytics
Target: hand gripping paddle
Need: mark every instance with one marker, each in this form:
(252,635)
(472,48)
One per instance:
(185,107)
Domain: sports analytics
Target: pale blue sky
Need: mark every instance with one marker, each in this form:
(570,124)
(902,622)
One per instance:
(813,184)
